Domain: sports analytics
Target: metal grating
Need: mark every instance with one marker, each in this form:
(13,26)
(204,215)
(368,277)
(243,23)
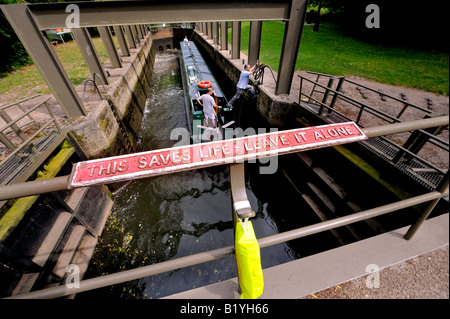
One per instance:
(430,180)
(17,164)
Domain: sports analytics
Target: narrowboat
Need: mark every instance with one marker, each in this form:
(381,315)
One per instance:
(197,78)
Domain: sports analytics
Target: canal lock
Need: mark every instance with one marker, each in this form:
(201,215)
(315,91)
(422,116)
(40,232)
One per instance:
(172,216)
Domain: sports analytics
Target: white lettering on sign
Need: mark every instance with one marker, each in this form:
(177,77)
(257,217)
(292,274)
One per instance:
(170,160)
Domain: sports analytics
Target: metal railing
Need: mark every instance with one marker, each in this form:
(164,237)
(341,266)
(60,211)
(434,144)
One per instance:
(12,130)
(411,146)
(178,263)
(95,86)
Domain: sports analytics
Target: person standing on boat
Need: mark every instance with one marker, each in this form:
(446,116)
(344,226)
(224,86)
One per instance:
(243,83)
(208,107)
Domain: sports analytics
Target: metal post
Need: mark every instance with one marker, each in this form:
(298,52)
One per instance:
(135,34)
(241,205)
(224,35)
(335,96)
(326,94)
(254,42)
(236,40)
(139,31)
(413,229)
(107,40)
(216,32)
(130,37)
(291,44)
(209,30)
(122,43)
(89,53)
(45,58)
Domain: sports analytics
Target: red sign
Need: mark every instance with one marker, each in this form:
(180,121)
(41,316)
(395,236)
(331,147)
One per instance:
(176,159)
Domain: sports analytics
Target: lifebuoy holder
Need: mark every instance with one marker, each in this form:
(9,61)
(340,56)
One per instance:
(204,84)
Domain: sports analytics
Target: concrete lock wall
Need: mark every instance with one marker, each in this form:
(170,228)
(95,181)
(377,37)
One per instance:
(112,125)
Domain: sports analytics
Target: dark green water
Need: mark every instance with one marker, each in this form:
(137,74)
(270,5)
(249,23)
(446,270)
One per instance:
(175,215)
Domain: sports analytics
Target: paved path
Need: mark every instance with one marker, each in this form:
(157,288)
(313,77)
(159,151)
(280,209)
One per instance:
(422,277)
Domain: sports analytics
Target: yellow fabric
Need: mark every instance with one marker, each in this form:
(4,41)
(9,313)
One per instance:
(248,260)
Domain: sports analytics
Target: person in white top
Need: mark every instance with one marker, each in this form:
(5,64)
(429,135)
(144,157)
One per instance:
(208,107)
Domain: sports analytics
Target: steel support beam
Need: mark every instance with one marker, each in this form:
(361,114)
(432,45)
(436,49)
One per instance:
(204,28)
(224,35)
(45,58)
(139,31)
(236,40)
(254,42)
(209,30)
(122,43)
(54,15)
(130,37)
(107,40)
(215,28)
(89,53)
(136,37)
(291,45)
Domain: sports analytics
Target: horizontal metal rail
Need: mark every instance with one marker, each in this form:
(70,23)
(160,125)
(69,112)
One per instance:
(363,106)
(53,15)
(23,115)
(15,128)
(18,102)
(375,91)
(62,183)
(178,263)
(28,141)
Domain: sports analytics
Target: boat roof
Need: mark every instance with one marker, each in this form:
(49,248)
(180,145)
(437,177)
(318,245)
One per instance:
(196,68)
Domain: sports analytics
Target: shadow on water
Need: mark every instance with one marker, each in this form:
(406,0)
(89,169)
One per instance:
(171,216)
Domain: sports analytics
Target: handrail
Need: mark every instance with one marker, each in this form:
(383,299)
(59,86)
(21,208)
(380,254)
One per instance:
(4,127)
(373,90)
(178,263)
(11,124)
(20,101)
(95,85)
(343,96)
(28,141)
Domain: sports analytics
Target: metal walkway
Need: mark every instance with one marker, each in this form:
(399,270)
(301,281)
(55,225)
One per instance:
(419,170)
(24,163)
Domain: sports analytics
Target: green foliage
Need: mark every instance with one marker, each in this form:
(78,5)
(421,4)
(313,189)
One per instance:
(333,51)
(12,54)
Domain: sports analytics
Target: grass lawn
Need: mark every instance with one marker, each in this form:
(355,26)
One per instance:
(27,80)
(329,51)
